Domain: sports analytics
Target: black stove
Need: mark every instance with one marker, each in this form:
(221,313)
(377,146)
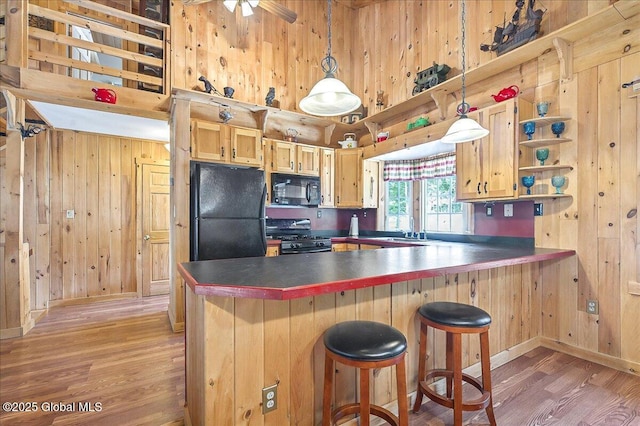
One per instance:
(296,237)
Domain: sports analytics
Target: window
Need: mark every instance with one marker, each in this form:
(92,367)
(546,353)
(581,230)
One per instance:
(399,207)
(441,211)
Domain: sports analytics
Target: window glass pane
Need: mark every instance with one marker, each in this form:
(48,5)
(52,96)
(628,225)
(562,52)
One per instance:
(398,206)
(441,211)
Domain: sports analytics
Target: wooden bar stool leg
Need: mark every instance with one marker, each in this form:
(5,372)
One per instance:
(328,390)
(403,406)
(449,362)
(422,355)
(365,397)
(486,374)
(457,378)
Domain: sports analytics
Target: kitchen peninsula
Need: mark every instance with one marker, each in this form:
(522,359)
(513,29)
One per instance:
(257,322)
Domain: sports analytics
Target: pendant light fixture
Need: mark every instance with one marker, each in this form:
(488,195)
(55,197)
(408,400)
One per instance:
(464,129)
(329,97)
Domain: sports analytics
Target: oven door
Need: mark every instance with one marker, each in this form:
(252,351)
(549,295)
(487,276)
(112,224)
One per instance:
(303,250)
(295,190)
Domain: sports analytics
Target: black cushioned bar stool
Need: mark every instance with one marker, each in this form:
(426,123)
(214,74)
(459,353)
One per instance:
(455,319)
(365,345)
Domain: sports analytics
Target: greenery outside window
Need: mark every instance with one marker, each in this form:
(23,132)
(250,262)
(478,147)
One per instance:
(441,211)
(398,215)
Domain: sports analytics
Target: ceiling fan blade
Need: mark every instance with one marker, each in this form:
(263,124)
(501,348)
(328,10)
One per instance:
(279,10)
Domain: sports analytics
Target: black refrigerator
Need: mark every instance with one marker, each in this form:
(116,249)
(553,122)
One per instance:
(227,212)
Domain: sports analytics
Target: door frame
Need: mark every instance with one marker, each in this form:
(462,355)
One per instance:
(139,162)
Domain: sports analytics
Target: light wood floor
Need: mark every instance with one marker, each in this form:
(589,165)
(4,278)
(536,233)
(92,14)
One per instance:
(123,355)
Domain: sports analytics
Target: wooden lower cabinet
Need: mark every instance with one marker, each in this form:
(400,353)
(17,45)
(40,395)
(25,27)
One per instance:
(344,247)
(235,347)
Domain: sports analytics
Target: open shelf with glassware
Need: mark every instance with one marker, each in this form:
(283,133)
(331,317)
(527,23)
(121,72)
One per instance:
(540,171)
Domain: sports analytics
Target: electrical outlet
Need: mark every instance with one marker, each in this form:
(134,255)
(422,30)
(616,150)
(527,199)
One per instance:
(489,210)
(71,214)
(269,398)
(319,214)
(508,210)
(592,307)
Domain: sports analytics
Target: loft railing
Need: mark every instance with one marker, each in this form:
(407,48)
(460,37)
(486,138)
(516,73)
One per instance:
(88,41)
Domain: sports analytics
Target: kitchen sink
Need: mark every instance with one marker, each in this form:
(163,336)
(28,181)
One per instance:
(400,240)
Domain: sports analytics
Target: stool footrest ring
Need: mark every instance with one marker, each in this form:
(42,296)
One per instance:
(354,408)
(479,403)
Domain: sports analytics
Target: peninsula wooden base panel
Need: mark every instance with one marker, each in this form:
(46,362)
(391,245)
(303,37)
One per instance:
(235,347)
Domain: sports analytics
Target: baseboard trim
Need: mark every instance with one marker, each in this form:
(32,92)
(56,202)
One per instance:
(598,358)
(177,327)
(91,299)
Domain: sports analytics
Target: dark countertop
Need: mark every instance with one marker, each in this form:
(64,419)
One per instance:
(301,275)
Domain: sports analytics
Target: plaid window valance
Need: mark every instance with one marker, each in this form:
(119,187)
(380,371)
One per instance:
(436,166)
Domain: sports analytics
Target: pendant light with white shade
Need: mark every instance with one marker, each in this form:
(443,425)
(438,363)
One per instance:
(329,97)
(464,129)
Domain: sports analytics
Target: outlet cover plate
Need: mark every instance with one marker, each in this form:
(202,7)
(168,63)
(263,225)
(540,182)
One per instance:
(592,306)
(269,398)
(508,210)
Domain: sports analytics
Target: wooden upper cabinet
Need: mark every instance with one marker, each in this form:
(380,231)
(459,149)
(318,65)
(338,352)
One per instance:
(226,144)
(308,159)
(246,146)
(209,141)
(356,179)
(370,184)
(283,157)
(327,177)
(294,158)
(487,168)
(348,177)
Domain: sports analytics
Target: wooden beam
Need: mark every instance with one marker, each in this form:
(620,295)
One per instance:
(36,95)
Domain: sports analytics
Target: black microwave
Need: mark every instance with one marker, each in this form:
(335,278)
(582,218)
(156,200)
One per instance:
(294,190)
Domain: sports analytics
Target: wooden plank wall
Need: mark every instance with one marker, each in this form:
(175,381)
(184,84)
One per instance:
(378,48)
(600,222)
(92,255)
(232,341)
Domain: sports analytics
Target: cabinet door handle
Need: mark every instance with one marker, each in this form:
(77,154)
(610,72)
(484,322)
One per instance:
(322,199)
(485,187)
(222,151)
(299,167)
(371,189)
(479,183)
(234,153)
(292,165)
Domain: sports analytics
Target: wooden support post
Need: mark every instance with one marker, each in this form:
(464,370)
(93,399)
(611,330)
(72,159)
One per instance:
(179,222)
(14,283)
(564,50)
(16,22)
